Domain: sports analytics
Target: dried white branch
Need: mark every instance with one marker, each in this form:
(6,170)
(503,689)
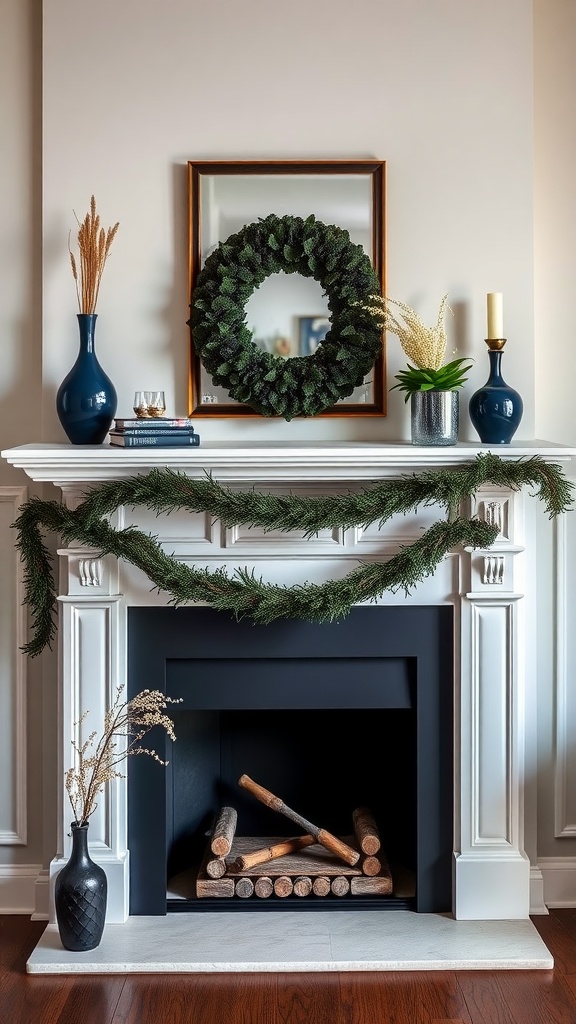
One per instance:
(125,725)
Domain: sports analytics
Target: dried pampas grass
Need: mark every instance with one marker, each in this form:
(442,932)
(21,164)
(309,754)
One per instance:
(93,249)
(425,346)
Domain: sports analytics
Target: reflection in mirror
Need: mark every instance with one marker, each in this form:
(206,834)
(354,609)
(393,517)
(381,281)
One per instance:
(288,315)
(274,311)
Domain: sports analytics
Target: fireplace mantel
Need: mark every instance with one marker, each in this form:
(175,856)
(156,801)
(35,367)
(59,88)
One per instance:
(493,593)
(67,464)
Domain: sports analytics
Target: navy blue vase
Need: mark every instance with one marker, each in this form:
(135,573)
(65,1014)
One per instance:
(86,401)
(80,896)
(496,409)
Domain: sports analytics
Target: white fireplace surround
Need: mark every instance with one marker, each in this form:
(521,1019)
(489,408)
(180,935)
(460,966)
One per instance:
(492,593)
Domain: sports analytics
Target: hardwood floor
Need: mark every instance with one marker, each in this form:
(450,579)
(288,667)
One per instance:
(446,997)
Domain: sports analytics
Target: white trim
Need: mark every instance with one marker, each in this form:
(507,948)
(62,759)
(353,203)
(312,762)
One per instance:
(563,827)
(559,874)
(15,833)
(65,464)
(42,896)
(559,541)
(17,888)
(537,902)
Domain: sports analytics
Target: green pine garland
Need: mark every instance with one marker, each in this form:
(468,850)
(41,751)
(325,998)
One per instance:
(244,594)
(303,385)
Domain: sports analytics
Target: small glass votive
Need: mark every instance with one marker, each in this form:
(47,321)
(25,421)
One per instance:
(149,404)
(156,403)
(140,405)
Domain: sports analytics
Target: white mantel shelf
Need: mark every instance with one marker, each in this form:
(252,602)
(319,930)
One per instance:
(65,463)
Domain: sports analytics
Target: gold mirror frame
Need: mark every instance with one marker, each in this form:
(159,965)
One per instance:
(198,175)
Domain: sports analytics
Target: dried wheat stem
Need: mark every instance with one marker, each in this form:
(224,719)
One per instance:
(93,249)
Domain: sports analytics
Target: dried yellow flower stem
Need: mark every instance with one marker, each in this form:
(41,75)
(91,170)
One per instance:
(424,346)
(124,726)
(93,249)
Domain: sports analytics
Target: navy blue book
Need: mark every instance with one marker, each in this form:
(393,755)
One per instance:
(187,439)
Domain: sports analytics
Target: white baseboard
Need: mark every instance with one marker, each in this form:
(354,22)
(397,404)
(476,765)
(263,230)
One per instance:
(42,896)
(18,888)
(537,902)
(25,888)
(559,875)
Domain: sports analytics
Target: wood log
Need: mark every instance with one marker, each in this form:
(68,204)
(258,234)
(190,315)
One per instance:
(302,885)
(366,830)
(283,886)
(218,887)
(244,887)
(364,886)
(321,886)
(223,831)
(311,860)
(326,839)
(216,868)
(371,866)
(340,885)
(263,887)
(267,853)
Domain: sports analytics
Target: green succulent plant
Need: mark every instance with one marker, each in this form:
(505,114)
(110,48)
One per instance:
(445,378)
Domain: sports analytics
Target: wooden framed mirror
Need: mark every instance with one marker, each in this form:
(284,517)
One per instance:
(288,315)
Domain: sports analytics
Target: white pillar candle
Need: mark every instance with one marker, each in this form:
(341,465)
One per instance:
(495,315)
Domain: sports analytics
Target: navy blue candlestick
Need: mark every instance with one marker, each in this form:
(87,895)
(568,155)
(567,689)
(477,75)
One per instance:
(496,409)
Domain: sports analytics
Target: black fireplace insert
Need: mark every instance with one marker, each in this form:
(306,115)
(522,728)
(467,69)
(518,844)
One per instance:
(328,716)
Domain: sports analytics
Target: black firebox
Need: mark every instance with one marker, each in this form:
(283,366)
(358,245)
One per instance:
(327,716)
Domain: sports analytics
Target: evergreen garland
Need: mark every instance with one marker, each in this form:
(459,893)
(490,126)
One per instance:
(243,593)
(303,385)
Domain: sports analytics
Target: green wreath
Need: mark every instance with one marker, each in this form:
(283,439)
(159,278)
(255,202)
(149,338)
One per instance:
(303,385)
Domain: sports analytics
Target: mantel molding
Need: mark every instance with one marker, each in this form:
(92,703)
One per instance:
(492,593)
(64,464)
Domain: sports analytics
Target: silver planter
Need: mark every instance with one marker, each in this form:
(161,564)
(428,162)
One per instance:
(434,417)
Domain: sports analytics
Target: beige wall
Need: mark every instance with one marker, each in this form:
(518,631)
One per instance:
(133,89)
(555,365)
(20,267)
(555,217)
(20,415)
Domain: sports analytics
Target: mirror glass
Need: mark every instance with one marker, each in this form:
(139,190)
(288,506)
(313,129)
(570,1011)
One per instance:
(274,313)
(288,314)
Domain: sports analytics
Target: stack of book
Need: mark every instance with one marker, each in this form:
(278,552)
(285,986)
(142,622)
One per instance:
(153,433)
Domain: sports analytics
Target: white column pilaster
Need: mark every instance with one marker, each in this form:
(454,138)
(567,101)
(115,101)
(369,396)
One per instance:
(92,638)
(491,868)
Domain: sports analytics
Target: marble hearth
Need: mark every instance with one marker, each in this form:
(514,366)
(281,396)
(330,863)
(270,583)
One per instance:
(492,594)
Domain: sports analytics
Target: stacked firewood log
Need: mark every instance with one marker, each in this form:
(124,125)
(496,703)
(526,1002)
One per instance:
(315,863)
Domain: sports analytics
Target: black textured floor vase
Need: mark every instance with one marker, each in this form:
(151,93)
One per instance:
(80,896)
